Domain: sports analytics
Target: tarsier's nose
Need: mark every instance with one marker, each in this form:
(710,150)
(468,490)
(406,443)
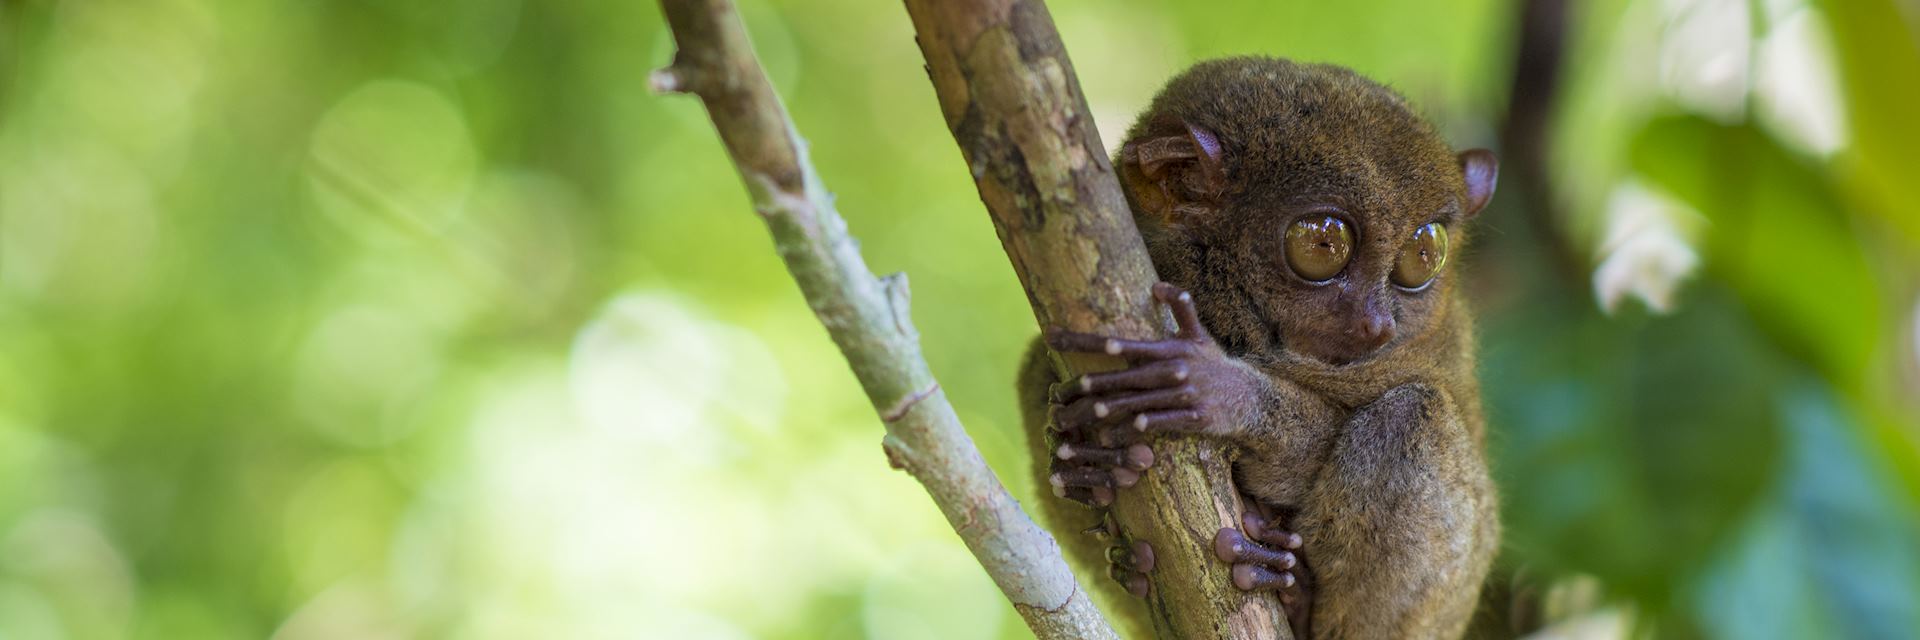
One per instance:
(1374,327)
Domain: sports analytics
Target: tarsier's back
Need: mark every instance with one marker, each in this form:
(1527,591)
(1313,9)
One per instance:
(1304,219)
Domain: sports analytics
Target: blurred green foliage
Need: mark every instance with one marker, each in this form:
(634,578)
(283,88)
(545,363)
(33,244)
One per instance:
(424,319)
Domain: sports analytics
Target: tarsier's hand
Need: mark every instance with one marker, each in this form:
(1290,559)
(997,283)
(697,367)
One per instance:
(1183,384)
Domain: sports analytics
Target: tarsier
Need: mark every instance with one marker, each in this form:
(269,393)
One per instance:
(1305,220)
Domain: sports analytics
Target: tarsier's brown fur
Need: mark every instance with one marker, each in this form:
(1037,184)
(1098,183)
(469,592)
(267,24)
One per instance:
(1373,450)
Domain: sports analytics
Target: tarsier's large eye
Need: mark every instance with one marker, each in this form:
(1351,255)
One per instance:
(1423,257)
(1318,247)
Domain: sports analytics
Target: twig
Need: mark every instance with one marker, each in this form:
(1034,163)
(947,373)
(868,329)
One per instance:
(1013,103)
(868,319)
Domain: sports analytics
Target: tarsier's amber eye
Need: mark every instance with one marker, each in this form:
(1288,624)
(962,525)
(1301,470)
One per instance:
(1318,247)
(1422,257)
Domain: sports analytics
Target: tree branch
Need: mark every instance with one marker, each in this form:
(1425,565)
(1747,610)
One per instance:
(868,319)
(1013,103)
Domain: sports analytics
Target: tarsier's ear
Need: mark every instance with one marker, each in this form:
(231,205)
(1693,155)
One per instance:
(1481,171)
(1176,176)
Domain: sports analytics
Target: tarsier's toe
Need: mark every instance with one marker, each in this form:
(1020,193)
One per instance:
(1253,577)
(1129,565)
(1232,547)
(1136,585)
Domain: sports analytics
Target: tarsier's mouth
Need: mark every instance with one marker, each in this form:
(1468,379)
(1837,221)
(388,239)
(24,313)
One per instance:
(1333,351)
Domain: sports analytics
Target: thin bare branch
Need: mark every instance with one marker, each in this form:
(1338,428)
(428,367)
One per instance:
(867,317)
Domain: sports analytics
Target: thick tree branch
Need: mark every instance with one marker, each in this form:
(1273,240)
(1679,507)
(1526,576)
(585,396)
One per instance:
(868,319)
(1014,104)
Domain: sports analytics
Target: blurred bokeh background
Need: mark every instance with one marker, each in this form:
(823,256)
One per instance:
(373,319)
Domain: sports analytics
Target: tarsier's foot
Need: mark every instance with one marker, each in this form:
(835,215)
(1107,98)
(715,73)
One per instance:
(1101,418)
(1268,558)
(1129,565)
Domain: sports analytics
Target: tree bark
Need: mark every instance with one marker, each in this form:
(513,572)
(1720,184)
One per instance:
(868,319)
(1013,103)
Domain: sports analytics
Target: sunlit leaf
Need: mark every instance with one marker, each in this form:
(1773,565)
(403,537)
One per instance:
(1631,449)
(1778,235)
(1879,58)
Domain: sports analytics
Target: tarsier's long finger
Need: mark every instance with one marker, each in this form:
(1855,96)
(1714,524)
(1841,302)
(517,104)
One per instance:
(1259,528)
(1153,375)
(1136,402)
(1090,496)
(1093,478)
(1131,350)
(1233,548)
(1136,457)
(1174,420)
(1080,477)
(1102,496)
(1094,410)
(1118,436)
(1184,314)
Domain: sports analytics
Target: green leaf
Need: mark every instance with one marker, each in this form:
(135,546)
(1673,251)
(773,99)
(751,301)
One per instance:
(1831,553)
(1779,235)
(1631,449)
(1879,62)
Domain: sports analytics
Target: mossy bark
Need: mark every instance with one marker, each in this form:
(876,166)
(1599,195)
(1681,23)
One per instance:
(1013,103)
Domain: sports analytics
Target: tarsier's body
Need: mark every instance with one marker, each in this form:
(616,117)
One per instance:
(1302,216)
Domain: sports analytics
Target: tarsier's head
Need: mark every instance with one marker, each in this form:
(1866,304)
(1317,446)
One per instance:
(1308,208)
